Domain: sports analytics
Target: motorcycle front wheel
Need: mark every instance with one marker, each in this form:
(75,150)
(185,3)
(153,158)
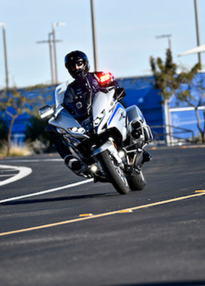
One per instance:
(136,181)
(114,173)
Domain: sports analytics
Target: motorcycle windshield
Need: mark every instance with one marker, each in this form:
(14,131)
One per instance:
(59,96)
(76,109)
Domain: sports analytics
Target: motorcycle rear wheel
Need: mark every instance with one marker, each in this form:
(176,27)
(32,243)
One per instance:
(136,181)
(114,173)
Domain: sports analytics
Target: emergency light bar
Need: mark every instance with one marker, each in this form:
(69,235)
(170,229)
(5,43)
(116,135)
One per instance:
(105,77)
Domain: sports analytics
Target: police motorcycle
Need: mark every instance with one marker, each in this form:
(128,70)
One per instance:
(106,138)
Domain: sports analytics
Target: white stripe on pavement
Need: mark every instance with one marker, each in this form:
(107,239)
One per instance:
(23,172)
(46,191)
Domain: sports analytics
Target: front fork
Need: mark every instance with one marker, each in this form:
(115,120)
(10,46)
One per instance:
(109,145)
(132,159)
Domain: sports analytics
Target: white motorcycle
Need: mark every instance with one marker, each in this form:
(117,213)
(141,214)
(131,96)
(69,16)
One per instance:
(106,138)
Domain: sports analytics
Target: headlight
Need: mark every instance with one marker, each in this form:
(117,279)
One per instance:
(80,130)
(94,168)
(121,154)
(98,119)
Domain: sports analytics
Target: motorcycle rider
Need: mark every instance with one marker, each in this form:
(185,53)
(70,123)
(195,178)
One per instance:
(77,92)
(76,98)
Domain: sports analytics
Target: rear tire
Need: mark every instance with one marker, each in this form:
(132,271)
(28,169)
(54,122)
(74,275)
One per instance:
(114,173)
(136,181)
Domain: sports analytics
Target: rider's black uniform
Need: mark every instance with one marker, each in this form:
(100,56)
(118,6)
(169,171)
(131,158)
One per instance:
(77,94)
(76,100)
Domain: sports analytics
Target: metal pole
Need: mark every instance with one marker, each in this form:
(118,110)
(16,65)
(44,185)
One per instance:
(94,36)
(167,122)
(51,57)
(55,55)
(54,49)
(197,30)
(51,54)
(166,36)
(170,46)
(5,56)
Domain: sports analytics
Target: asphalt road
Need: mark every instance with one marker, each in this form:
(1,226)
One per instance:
(151,237)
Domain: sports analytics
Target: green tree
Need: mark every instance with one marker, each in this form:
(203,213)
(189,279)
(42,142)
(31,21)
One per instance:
(194,99)
(170,83)
(14,103)
(165,75)
(165,81)
(35,130)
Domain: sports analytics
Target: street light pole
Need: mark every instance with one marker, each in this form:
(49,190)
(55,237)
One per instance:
(54,48)
(5,55)
(168,126)
(197,29)
(94,36)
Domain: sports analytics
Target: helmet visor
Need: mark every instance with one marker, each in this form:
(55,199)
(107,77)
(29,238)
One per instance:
(77,66)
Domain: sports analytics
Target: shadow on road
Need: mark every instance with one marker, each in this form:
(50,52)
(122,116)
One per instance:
(65,198)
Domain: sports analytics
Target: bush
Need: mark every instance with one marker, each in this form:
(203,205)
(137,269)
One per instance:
(16,150)
(36,136)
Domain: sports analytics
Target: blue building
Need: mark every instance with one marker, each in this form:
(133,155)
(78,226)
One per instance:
(141,91)
(21,121)
(183,118)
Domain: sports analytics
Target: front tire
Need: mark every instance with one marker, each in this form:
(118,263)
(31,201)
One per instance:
(136,181)
(114,173)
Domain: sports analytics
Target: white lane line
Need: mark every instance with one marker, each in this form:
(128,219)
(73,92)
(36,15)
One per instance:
(23,172)
(9,175)
(36,160)
(9,170)
(46,191)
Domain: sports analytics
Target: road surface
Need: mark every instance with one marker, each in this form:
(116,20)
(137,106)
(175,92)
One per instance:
(60,229)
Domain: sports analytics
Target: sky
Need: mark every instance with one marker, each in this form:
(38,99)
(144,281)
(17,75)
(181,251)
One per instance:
(126,33)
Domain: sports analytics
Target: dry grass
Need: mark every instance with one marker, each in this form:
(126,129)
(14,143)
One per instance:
(16,150)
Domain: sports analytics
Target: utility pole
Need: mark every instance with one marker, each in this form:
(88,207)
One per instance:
(49,41)
(5,55)
(51,57)
(94,36)
(169,40)
(54,48)
(197,30)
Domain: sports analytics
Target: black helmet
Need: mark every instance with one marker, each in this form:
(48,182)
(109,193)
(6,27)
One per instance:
(78,58)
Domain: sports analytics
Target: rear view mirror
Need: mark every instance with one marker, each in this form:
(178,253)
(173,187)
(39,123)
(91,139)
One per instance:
(120,93)
(46,111)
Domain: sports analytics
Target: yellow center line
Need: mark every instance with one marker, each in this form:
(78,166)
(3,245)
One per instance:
(102,214)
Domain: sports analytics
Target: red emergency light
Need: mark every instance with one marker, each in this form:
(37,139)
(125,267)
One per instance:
(105,78)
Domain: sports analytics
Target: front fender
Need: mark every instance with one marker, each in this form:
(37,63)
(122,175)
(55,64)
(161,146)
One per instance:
(110,147)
